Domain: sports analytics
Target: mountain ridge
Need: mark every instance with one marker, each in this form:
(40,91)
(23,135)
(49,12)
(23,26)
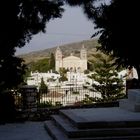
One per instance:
(66,50)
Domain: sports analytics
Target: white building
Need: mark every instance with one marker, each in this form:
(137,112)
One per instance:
(76,77)
(71,62)
(50,79)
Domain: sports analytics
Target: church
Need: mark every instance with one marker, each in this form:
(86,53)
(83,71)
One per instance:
(72,63)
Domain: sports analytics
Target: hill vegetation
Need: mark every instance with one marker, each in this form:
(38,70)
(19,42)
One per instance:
(67,49)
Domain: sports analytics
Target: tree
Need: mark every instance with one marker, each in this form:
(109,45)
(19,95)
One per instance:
(118,26)
(43,87)
(20,20)
(29,17)
(41,65)
(63,72)
(86,71)
(52,62)
(118,32)
(105,77)
(12,71)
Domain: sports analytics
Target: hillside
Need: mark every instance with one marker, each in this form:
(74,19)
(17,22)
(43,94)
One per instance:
(67,49)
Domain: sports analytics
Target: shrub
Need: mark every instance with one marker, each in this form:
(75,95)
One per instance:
(7,107)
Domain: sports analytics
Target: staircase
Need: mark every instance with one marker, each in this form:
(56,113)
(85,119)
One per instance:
(67,125)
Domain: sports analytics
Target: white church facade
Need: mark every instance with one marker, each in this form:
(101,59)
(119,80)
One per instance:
(71,62)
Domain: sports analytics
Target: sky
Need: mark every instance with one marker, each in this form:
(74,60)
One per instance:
(72,27)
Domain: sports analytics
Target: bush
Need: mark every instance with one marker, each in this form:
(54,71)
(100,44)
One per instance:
(75,92)
(45,104)
(58,103)
(7,107)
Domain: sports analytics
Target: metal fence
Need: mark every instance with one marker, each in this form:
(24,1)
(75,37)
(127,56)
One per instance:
(57,96)
(63,96)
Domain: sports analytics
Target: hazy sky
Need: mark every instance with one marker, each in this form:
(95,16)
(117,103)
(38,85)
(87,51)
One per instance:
(72,27)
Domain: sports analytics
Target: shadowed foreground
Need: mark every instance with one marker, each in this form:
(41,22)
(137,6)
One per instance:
(23,131)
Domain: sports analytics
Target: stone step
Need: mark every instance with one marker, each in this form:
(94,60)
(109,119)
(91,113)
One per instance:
(94,124)
(54,131)
(65,125)
(56,134)
(131,106)
(75,120)
(81,123)
(73,132)
(112,138)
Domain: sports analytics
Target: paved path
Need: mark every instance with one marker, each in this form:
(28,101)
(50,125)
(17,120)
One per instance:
(24,131)
(103,114)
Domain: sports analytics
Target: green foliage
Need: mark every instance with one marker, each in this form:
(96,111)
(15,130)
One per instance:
(63,78)
(86,71)
(29,17)
(58,104)
(43,87)
(40,66)
(12,71)
(111,18)
(67,49)
(106,79)
(115,36)
(63,72)
(7,107)
(75,92)
(87,100)
(52,62)
(45,104)
(90,66)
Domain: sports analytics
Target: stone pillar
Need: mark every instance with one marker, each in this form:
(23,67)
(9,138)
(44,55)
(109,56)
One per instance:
(29,98)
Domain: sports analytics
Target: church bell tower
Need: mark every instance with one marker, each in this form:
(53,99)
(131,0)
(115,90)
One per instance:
(58,59)
(83,56)
(83,53)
